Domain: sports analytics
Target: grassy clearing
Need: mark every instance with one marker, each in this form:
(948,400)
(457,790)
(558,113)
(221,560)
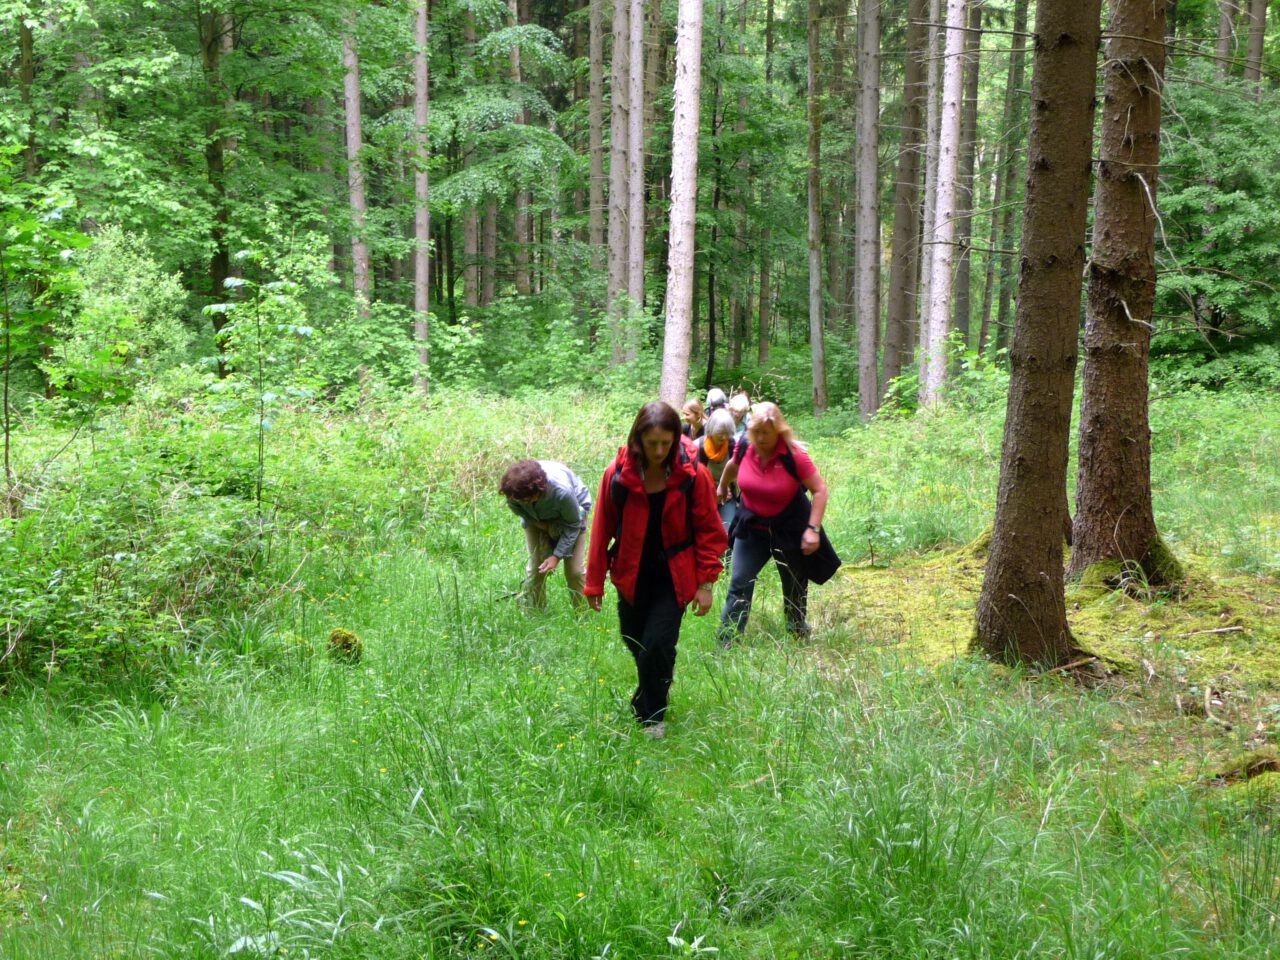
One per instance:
(474,786)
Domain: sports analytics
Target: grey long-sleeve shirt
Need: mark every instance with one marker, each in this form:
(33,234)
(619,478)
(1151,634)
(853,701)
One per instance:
(563,508)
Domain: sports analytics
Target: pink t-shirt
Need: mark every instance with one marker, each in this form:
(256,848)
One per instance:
(768,488)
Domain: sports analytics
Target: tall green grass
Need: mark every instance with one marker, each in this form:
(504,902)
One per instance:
(476,787)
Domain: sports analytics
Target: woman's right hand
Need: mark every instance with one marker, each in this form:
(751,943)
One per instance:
(595,603)
(722,494)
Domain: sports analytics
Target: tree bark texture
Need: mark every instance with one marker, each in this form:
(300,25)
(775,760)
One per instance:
(421,195)
(766,236)
(942,251)
(1257,34)
(905,245)
(1228,12)
(1022,613)
(684,197)
(635,166)
(968,156)
(522,223)
(489,253)
(595,131)
(867,217)
(355,164)
(933,79)
(619,193)
(1114,517)
(816,340)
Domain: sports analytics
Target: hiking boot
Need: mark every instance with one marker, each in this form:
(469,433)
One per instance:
(655,731)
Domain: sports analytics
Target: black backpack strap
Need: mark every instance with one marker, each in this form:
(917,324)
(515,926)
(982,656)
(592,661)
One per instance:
(618,494)
(788,461)
(740,450)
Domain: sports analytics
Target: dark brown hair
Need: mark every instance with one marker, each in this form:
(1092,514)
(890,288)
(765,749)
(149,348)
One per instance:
(523,479)
(661,416)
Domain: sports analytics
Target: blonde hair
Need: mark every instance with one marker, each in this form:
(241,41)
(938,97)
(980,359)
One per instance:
(739,404)
(769,413)
(694,406)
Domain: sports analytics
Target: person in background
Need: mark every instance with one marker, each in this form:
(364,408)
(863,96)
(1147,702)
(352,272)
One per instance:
(658,536)
(740,407)
(715,452)
(694,419)
(776,519)
(553,506)
(715,400)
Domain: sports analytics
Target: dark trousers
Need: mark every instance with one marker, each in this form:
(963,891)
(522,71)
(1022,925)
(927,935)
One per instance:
(651,629)
(750,554)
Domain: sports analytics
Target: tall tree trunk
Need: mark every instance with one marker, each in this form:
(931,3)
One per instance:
(684,196)
(905,245)
(421,195)
(817,345)
(489,253)
(595,126)
(1022,614)
(833,215)
(933,115)
(619,191)
(355,165)
(1001,194)
(742,297)
(867,220)
(471,214)
(1114,517)
(715,281)
(26,82)
(942,241)
(1257,34)
(1012,167)
(762,339)
(635,164)
(968,157)
(1228,12)
(522,224)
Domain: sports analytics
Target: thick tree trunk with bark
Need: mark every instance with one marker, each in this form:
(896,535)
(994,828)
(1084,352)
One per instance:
(489,253)
(968,156)
(595,131)
(817,350)
(684,196)
(933,115)
(421,194)
(355,165)
(942,252)
(522,223)
(1114,519)
(905,245)
(762,340)
(867,218)
(1228,12)
(619,192)
(1022,614)
(1257,34)
(635,165)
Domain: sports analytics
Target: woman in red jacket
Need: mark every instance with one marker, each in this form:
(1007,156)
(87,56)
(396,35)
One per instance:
(658,535)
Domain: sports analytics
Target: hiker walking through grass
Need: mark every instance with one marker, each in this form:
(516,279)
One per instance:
(695,419)
(775,519)
(658,536)
(553,505)
(715,452)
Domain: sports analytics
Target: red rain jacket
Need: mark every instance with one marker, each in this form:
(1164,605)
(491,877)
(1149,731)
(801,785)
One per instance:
(698,564)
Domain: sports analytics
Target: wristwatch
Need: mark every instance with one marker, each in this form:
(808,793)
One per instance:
(810,526)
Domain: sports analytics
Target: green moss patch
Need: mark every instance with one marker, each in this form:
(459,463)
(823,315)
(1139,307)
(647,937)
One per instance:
(1218,627)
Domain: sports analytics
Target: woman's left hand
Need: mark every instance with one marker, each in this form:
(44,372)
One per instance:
(702,602)
(809,542)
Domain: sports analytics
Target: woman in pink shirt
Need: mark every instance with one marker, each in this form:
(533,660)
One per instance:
(775,518)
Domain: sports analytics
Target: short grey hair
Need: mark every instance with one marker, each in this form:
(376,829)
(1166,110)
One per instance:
(720,424)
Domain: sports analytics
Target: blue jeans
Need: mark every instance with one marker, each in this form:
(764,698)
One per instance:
(750,554)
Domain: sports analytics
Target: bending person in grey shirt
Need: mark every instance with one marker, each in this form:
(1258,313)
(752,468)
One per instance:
(553,506)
